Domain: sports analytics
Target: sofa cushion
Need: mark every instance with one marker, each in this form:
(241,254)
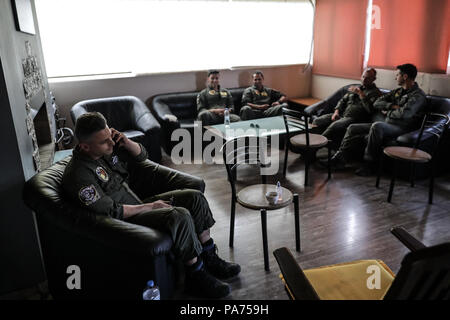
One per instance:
(350,280)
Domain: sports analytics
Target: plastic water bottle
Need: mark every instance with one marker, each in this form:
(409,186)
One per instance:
(226,116)
(151,292)
(279,191)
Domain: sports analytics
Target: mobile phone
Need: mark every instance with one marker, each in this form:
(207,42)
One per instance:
(116,146)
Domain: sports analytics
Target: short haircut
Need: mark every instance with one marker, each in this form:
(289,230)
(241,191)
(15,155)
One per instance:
(408,69)
(257,72)
(373,70)
(88,124)
(210,72)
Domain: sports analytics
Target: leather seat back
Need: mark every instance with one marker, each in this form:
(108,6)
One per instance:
(439,104)
(182,105)
(121,112)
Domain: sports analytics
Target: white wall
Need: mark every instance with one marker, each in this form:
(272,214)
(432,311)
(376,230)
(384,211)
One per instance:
(291,80)
(432,84)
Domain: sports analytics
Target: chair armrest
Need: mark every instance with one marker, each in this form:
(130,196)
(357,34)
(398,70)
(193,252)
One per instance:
(76,111)
(42,194)
(147,123)
(315,108)
(109,232)
(160,110)
(142,118)
(126,236)
(298,285)
(407,239)
(408,138)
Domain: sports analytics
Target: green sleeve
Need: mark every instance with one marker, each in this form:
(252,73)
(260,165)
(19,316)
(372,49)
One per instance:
(369,100)
(342,104)
(275,95)
(247,97)
(84,189)
(230,103)
(384,102)
(124,155)
(409,109)
(201,102)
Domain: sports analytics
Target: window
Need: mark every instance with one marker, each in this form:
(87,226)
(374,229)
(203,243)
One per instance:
(339,31)
(85,37)
(396,32)
(414,31)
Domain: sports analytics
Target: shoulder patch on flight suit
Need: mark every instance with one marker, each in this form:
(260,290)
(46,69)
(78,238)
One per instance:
(264,94)
(102,174)
(212,92)
(257,92)
(223,94)
(88,195)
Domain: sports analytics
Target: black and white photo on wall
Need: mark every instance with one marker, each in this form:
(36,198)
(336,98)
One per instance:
(23,16)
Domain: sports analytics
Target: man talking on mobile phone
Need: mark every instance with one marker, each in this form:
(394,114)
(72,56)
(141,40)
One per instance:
(102,177)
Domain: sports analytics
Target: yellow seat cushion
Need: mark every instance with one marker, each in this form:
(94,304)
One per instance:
(348,281)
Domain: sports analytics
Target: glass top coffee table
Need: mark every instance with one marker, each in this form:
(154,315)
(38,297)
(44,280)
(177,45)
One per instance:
(260,127)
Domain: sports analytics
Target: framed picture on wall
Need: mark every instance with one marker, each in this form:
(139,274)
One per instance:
(23,15)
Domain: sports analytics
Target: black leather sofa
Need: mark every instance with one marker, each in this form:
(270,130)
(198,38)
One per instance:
(184,107)
(435,104)
(115,258)
(129,115)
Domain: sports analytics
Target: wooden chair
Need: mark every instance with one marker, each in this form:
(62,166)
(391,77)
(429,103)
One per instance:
(424,275)
(415,155)
(305,143)
(253,151)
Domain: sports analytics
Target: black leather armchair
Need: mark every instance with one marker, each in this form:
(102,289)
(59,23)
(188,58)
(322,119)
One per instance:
(435,104)
(183,106)
(116,258)
(129,115)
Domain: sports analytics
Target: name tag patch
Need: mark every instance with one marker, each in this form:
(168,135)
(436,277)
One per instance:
(88,195)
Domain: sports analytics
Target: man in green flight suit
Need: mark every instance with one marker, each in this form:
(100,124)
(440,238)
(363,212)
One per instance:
(100,178)
(212,102)
(402,110)
(259,101)
(356,106)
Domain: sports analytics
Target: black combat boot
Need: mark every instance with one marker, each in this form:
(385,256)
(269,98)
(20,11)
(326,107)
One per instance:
(337,162)
(215,265)
(200,283)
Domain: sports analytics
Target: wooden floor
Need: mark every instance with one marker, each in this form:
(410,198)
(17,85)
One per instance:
(343,219)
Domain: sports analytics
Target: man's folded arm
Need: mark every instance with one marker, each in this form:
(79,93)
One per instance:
(409,109)
(384,102)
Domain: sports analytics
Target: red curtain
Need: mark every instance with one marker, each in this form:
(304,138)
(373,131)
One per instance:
(410,31)
(339,33)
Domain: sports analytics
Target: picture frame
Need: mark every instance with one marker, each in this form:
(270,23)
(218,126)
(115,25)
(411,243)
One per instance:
(23,16)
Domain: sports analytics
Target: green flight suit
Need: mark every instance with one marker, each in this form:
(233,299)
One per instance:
(412,103)
(212,99)
(352,109)
(103,186)
(260,97)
